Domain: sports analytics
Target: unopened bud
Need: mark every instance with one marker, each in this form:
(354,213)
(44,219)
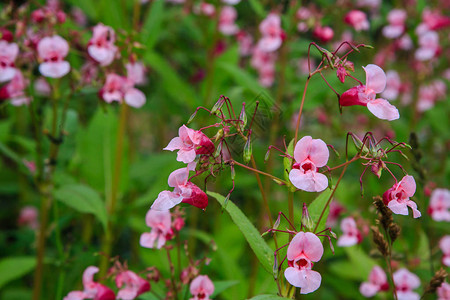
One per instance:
(233,173)
(266,157)
(277,222)
(218,105)
(341,73)
(191,117)
(275,267)
(306,218)
(248,150)
(218,149)
(242,118)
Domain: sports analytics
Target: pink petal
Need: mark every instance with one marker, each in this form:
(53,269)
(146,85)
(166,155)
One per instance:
(104,56)
(407,295)
(413,205)
(393,31)
(76,295)
(347,240)
(382,109)
(54,69)
(375,78)
(307,243)
(88,276)
(444,244)
(318,153)
(148,239)
(309,182)
(398,208)
(269,43)
(186,156)
(352,97)
(178,177)
(301,150)
(377,276)
(312,281)
(166,200)
(135,98)
(405,277)
(158,217)
(293,276)
(202,283)
(409,185)
(197,198)
(175,144)
(7,73)
(368,289)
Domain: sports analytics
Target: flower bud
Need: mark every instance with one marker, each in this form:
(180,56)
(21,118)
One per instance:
(306,218)
(248,150)
(242,118)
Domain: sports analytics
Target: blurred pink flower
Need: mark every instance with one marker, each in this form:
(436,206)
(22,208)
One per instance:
(434,19)
(443,292)
(118,88)
(350,233)
(231,2)
(130,285)
(206,9)
(272,34)
(439,207)
(396,27)
(364,95)
(29,217)
(309,154)
(184,192)
(430,94)
(405,282)
(245,41)
(190,143)
(92,289)
(357,19)
(393,85)
(8,54)
(227,18)
(264,63)
(201,288)
(304,249)
(52,51)
(397,197)
(101,46)
(444,244)
(136,72)
(14,90)
(377,282)
(428,46)
(336,209)
(324,34)
(160,222)
(42,87)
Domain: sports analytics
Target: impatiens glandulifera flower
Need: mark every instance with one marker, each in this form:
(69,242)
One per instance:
(189,144)
(42,87)
(405,283)
(444,244)
(272,34)
(201,288)
(324,34)
(264,63)
(136,72)
(429,46)
(14,90)
(357,19)
(118,88)
(309,154)
(365,95)
(397,197)
(101,46)
(8,54)
(92,289)
(231,2)
(443,292)
(350,233)
(377,282)
(304,249)
(396,27)
(184,191)
(336,210)
(130,285)
(52,51)
(160,222)
(245,41)
(227,18)
(393,85)
(439,207)
(430,94)
(29,217)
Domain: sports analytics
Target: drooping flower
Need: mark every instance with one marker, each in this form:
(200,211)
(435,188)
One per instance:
(397,197)
(272,33)
(396,27)
(304,249)
(365,95)
(160,222)
(14,90)
(357,19)
(377,282)
(92,289)
(350,233)
(101,46)
(405,283)
(443,291)
(309,154)
(8,54)
(52,51)
(227,19)
(444,244)
(118,88)
(189,144)
(184,191)
(439,207)
(201,288)
(131,285)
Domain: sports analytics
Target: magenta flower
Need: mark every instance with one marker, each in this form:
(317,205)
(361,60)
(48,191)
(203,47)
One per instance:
(350,233)
(272,34)
(101,46)
(439,207)
(184,192)
(397,197)
(8,54)
(130,285)
(443,292)
(309,154)
(160,222)
(365,95)
(357,19)
(136,72)
(444,244)
(52,51)
(396,27)
(405,282)
(336,210)
(201,288)
(324,34)
(304,249)
(377,282)
(118,88)
(29,217)
(189,144)
(92,289)
(14,90)
(227,18)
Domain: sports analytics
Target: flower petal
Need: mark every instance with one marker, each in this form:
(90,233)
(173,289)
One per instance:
(312,281)
(398,208)
(307,243)
(135,98)
(166,200)
(368,289)
(54,69)
(375,78)
(382,109)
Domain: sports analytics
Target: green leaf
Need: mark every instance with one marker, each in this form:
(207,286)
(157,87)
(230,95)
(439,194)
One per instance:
(258,8)
(316,208)
(267,297)
(83,199)
(262,251)
(152,24)
(287,163)
(220,286)
(12,268)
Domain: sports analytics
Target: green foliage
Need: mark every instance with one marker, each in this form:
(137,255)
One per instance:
(14,267)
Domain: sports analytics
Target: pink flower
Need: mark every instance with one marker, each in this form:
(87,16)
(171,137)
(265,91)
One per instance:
(272,34)
(14,90)
(29,217)
(204,8)
(160,222)
(397,197)
(364,95)
(136,73)
(264,63)
(101,46)
(377,282)
(350,233)
(118,88)
(52,50)
(428,46)
(444,244)
(324,34)
(434,20)
(92,289)
(309,154)
(184,192)
(430,94)
(41,87)
(336,210)
(133,285)
(304,249)
(396,27)
(245,41)
(393,85)
(8,54)
(443,291)
(357,19)
(439,207)
(231,2)
(189,144)
(405,282)
(227,20)
(201,288)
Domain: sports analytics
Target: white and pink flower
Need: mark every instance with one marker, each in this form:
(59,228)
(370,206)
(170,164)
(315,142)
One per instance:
(29,217)
(227,19)
(92,289)
(350,233)
(443,292)
(130,285)
(161,224)
(272,33)
(357,19)
(52,51)
(444,244)
(405,283)
(439,207)
(8,54)
(15,90)
(201,288)
(397,197)
(377,282)
(101,46)
(118,88)
(396,27)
